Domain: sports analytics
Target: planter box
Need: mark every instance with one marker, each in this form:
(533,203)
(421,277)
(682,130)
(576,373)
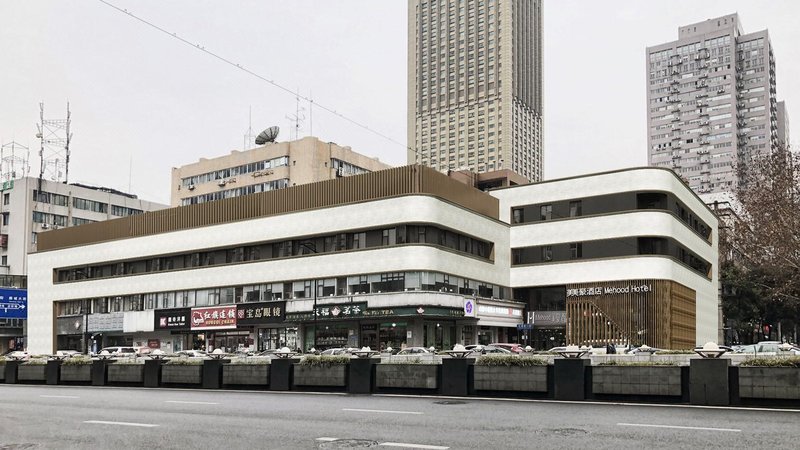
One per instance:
(31,372)
(335,375)
(246,374)
(77,372)
(769,382)
(125,373)
(637,380)
(182,374)
(414,376)
(3,372)
(520,379)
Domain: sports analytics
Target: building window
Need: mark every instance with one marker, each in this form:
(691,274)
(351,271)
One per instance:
(517,215)
(389,236)
(576,250)
(4,260)
(547,253)
(6,198)
(575,208)
(545,212)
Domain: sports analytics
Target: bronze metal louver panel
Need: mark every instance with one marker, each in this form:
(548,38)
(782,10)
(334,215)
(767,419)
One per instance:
(662,317)
(396,182)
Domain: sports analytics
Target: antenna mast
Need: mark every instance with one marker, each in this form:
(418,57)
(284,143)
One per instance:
(11,165)
(249,136)
(297,117)
(54,139)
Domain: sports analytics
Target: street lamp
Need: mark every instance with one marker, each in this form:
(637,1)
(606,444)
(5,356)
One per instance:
(711,350)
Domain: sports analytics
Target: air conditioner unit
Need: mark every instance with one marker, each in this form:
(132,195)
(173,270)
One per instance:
(221,183)
(191,187)
(45,226)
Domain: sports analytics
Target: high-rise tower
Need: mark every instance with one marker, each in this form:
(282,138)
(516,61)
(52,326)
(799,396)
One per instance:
(711,102)
(475,85)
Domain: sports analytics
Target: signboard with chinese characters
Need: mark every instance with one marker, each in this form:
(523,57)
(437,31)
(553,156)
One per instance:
(213,318)
(327,312)
(13,303)
(547,318)
(258,313)
(172,319)
(105,322)
(610,290)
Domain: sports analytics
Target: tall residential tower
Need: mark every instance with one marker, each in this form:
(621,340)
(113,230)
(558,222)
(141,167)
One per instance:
(711,102)
(475,85)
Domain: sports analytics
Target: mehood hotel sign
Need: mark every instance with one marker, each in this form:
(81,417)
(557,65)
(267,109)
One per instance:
(610,290)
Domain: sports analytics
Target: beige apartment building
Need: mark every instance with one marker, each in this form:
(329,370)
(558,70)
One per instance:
(475,85)
(276,165)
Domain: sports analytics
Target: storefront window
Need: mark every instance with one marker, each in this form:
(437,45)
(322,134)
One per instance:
(392,334)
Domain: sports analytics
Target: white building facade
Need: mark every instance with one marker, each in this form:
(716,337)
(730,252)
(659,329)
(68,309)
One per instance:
(401,257)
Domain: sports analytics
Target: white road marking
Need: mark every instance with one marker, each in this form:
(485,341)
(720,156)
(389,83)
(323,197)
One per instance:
(381,411)
(677,427)
(403,445)
(191,403)
(127,424)
(59,396)
(327,439)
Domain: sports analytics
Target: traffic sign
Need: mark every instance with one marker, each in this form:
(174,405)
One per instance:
(524,326)
(13,303)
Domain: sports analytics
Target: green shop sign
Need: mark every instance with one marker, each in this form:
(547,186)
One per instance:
(359,310)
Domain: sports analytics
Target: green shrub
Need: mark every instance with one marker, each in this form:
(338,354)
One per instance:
(615,362)
(413,360)
(772,362)
(675,352)
(77,360)
(2,359)
(185,362)
(249,361)
(324,360)
(127,361)
(510,361)
(35,362)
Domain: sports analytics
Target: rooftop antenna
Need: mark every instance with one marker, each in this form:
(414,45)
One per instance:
(54,139)
(13,166)
(310,113)
(268,135)
(249,136)
(297,118)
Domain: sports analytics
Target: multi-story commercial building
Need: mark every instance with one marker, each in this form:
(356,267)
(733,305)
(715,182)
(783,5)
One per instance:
(276,165)
(475,85)
(32,206)
(404,256)
(711,102)
(783,126)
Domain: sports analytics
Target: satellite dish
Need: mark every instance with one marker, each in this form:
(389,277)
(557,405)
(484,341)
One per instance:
(267,135)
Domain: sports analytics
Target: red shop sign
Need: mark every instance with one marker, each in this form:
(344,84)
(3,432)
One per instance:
(214,318)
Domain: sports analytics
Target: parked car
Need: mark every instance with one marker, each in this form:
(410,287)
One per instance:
(193,353)
(489,349)
(514,348)
(126,351)
(766,348)
(338,351)
(18,355)
(414,351)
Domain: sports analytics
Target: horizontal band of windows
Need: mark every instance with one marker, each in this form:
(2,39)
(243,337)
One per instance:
(610,248)
(706,239)
(611,203)
(289,290)
(374,238)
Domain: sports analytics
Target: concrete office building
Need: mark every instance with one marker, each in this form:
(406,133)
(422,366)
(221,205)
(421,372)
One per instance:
(711,102)
(475,85)
(29,209)
(276,165)
(404,256)
(783,126)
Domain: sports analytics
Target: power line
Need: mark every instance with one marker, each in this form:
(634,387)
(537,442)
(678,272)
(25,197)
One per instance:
(260,77)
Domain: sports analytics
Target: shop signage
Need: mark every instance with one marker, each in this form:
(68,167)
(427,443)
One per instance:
(469,307)
(610,290)
(258,313)
(8,185)
(105,322)
(327,312)
(172,319)
(412,311)
(213,318)
(547,318)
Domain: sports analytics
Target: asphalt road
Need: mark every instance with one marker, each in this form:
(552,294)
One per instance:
(34,417)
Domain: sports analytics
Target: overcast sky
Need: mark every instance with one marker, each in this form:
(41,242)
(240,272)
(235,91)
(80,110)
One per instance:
(143,102)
